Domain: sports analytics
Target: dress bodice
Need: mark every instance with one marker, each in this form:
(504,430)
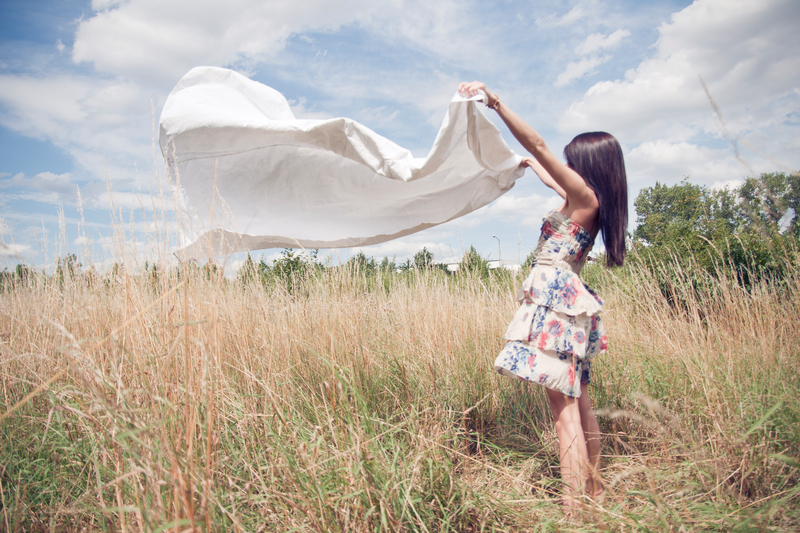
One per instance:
(563,243)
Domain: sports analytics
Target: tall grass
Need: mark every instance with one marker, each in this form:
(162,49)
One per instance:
(182,400)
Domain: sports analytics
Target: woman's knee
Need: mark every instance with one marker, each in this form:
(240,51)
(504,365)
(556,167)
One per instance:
(566,413)
(584,404)
(557,402)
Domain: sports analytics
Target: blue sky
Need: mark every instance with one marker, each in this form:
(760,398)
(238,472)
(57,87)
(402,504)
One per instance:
(81,82)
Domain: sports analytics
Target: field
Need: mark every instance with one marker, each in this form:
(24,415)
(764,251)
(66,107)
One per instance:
(178,399)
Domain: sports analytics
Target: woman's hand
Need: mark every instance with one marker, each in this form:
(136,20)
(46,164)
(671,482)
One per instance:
(471,89)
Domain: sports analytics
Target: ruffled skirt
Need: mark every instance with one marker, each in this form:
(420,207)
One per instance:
(555,332)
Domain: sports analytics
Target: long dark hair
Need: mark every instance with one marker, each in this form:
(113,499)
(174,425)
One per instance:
(597,157)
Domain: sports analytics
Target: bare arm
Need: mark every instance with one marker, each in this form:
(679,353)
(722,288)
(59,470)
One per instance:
(546,178)
(579,197)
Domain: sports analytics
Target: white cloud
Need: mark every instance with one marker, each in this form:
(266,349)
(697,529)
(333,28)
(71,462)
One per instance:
(378,116)
(17,251)
(128,201)
(86,117)
(299,110)
(728,185)
(745,51)
(571,17)
(668,162)
(157,41)
(430,92)
(524,211)
(42,108)
(101,5)
(43,187)
(598,41)
(112,105)
(528,210)
(579,69)
(59,189)
(455,30)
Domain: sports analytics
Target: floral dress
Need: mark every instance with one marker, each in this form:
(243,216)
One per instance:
(556,330)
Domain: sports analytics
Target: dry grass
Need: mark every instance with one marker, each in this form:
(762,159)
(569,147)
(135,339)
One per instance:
(187,400)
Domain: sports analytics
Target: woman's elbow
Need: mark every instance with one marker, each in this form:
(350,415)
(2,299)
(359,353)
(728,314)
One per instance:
(535,145)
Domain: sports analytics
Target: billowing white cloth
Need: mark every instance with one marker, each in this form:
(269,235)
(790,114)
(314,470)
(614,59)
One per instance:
(251,176)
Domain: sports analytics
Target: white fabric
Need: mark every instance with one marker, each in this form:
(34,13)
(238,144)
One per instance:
(287,182)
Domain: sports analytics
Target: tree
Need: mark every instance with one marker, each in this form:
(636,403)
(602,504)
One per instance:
(668,215)
(264,269)
(151,274)
(211,270)
(249,271)
(67,267)
(15,278)
(690,226)
(293,266)
(23,272)
(423,260)
(293,263)
(473,262)
(770,200)
(386,266)
(362,264)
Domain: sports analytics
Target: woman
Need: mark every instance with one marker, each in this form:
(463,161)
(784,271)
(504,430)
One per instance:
(556,330)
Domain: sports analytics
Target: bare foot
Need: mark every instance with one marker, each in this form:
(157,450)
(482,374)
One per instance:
(572,507)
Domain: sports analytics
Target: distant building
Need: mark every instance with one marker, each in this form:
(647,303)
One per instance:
(495,264)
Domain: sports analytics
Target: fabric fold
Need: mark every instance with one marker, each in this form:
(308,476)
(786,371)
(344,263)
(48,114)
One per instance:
(557,312)
(249,175)
(561,290)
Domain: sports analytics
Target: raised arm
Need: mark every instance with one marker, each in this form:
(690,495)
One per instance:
(580,198)
(545,176)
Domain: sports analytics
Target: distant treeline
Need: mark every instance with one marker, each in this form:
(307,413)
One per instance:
(750,232)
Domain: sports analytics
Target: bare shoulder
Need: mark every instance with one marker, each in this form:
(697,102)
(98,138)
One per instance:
(583,211)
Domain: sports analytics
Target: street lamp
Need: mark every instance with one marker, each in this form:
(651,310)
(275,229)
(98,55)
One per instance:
(499,251)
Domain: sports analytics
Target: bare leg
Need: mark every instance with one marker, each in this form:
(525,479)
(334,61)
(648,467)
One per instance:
(591,433)
(572,446)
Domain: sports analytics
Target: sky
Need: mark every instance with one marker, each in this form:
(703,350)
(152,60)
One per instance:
(82,84)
